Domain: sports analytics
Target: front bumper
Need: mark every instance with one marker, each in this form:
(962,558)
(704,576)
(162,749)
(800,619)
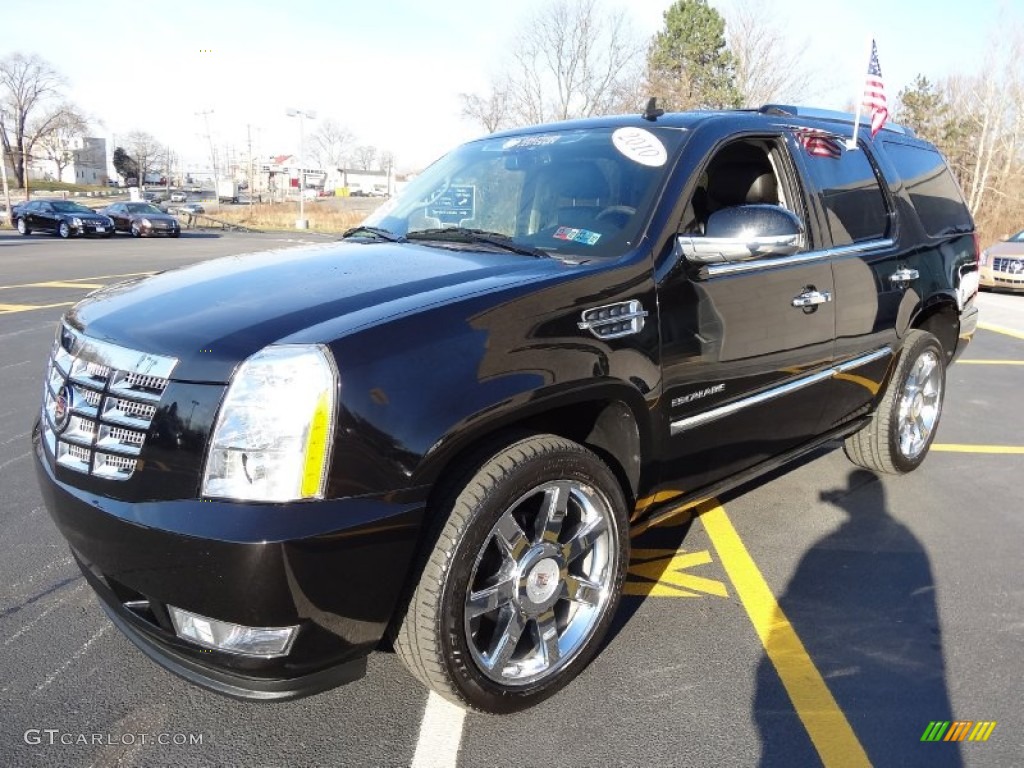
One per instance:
(339,578)
(93,228)
(1007,279)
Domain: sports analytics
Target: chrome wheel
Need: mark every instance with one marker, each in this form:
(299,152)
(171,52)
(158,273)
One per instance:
(64,230)
(541,582)
(920,405)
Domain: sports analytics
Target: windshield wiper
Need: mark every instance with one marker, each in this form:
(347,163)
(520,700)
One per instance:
(375,233)
(468,235)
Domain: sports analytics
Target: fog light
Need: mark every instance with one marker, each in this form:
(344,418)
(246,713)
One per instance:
(233,638)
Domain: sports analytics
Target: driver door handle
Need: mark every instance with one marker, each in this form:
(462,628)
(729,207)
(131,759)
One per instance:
(811,298)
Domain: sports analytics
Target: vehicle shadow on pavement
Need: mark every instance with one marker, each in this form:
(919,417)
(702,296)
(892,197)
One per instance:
(862,600)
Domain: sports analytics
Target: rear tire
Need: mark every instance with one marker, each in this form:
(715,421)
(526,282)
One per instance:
(901,430)
(524,578)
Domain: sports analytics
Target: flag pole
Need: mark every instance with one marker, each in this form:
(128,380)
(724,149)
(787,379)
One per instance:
(851,143)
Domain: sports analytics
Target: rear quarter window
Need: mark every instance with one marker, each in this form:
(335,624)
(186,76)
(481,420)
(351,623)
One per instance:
(932,189)
(851,195)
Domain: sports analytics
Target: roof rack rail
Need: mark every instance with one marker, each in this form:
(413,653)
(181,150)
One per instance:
(826,114)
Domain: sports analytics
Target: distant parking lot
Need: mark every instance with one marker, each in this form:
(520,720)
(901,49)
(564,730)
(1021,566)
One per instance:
(826,616)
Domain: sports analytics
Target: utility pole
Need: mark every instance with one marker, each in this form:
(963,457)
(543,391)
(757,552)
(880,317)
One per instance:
(3,171)
(213,151)
(248,130)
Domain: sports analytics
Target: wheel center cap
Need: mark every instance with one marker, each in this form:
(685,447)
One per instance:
(542,581)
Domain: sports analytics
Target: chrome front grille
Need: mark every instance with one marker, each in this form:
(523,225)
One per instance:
(1008,265)
(99,401)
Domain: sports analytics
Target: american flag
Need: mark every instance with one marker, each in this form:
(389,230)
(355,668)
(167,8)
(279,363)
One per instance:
(874,93)
(818,143)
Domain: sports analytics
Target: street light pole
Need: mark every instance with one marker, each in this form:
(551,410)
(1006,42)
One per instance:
(302,114)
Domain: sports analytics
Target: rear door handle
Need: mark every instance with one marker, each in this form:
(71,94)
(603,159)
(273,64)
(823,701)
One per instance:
(811,298)
(903,277)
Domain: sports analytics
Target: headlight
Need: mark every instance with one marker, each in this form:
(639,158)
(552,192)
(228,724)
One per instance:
(274,431)
(75,221)
(146,223)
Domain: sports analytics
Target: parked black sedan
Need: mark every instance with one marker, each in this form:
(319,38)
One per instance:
(142,219)
(64,217)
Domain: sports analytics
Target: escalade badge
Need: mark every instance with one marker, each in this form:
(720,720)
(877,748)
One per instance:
(62,406)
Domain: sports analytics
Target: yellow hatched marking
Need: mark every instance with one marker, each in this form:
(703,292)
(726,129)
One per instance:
(997,449)
(59,284)
(11,308)
(661,573)
(78,280)
(827,726)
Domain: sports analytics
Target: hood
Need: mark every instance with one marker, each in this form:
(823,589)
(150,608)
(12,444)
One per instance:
(213,315)
(1006,248)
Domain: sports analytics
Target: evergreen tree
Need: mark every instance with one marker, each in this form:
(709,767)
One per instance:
(689,66)
(125,167)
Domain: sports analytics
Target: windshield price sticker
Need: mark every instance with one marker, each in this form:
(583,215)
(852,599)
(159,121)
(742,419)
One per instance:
(454,205)
(641,146)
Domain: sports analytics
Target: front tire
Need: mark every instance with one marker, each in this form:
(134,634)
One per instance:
(23,227)
(901,430)
(524,579)
(136,232)
(64,230)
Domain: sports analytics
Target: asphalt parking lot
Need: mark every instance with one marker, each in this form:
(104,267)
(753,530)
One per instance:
(820,616)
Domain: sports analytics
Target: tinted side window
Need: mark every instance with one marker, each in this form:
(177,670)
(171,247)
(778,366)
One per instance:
(850,192)
(932,189)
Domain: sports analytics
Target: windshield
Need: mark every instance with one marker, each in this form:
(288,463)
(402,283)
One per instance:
(141,208)
(582,192)
(1018,238)
(67,207)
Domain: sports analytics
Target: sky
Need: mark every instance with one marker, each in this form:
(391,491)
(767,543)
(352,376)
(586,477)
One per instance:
(392,71)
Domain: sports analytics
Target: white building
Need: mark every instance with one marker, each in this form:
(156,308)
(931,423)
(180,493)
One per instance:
(87,163)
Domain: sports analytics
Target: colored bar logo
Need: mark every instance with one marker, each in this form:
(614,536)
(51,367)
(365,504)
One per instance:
(958,730)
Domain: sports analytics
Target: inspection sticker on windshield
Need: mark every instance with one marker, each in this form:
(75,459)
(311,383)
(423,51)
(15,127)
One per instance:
(640,145)
(584,236)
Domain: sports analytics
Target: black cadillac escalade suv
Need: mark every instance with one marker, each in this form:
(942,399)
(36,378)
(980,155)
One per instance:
(439,430)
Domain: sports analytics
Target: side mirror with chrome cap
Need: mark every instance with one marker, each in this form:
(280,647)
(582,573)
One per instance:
(744,232)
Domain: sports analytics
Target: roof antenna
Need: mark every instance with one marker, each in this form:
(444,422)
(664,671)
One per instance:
(652,111)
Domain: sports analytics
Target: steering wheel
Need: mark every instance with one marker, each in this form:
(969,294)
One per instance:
(624,211)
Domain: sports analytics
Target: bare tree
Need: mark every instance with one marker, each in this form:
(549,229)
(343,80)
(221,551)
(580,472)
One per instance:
(490,111)
(331,144)
(145,150)
(364,157)
(570,58)
(58,145)
(770,65)
(27,84)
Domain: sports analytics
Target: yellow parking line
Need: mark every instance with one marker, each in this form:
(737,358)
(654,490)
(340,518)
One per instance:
(959,448)
(1002,329)
(830,731)
(990,362)
(59,284)
(6,309)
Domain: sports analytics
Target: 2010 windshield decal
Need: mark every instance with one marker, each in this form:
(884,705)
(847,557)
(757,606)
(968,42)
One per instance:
(641,146)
